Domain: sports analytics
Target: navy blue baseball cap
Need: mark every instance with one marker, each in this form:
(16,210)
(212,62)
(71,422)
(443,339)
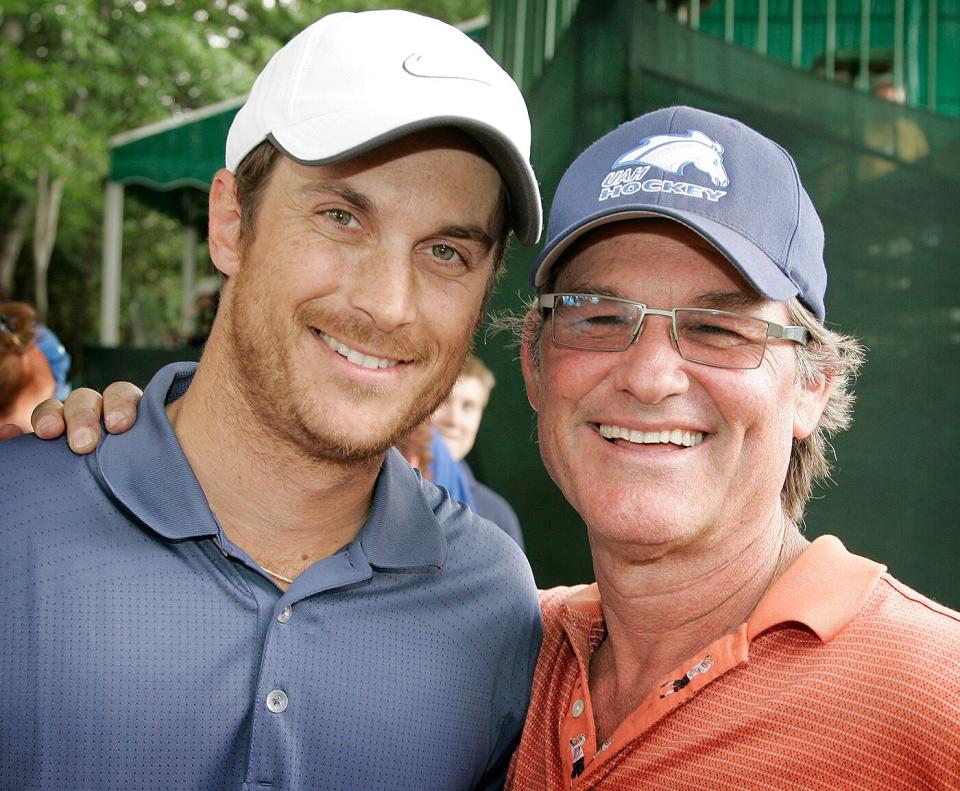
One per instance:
(734,187)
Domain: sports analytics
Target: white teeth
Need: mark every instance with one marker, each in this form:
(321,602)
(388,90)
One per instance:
(675,436)
(357,358)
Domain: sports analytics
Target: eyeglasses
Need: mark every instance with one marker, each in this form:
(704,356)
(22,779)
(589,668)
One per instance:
(719,338)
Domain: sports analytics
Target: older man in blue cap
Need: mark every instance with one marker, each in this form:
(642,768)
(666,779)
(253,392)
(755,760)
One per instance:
(685,385)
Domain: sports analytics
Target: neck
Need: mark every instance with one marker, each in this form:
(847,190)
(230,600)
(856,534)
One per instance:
(662,608)
(283,508)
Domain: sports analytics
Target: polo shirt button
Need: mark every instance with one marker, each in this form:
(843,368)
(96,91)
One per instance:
(577,708)
(277,701)
(285,614)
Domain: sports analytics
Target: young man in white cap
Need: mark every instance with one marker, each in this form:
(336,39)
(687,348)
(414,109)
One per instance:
(685,386)
(248,590)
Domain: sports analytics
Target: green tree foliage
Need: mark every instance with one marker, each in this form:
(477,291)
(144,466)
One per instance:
(73,73)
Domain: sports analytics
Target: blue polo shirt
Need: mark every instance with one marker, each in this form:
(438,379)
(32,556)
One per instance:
(141,649)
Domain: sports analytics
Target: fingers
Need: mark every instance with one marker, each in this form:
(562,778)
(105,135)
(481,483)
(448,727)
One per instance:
(9,431)
(120,402)
(81,413)
(47,419)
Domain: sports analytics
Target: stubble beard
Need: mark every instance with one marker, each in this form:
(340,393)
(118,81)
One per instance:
(287,407)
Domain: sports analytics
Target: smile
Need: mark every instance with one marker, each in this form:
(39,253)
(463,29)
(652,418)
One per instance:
(675,436)
(357,358)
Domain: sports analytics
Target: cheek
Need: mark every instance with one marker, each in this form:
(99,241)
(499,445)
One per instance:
(568,376)
(472,424)
(449,315)
(763,412)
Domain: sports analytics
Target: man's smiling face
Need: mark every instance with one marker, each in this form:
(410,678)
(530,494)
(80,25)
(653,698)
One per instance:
(603,416)
(354,304)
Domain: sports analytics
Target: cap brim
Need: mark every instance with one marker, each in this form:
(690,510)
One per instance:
(326,139)
(757,268)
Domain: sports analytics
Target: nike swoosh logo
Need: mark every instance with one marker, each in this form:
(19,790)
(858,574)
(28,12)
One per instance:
(414,66)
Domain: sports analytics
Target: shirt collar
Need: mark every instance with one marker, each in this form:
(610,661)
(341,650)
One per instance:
(147,472)
(403,531)
(823,589)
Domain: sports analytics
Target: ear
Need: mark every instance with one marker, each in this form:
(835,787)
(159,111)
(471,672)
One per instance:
(224,230)
(528,362)
(812,398)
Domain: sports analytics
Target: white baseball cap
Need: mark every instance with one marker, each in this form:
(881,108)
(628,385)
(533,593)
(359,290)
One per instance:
(352,82)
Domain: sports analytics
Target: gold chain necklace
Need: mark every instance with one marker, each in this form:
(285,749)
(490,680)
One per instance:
(277,576)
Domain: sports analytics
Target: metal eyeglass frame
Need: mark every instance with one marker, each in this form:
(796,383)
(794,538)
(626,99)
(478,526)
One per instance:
(788,333)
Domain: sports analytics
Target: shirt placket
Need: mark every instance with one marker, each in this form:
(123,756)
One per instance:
(583,758)
(278,715)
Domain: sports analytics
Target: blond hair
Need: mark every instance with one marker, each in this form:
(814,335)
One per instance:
(474,368)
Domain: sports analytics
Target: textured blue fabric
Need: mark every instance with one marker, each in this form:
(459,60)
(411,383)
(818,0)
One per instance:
(490,505)
(139,646)
(445,472)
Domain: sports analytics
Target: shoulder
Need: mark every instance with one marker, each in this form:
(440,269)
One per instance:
(479,550)
(28,451)
(53,511)
(902,611)
(34,472)
(901,653)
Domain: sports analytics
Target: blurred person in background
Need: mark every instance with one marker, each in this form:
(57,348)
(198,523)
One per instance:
(425,450)
(26,377)
(458,422)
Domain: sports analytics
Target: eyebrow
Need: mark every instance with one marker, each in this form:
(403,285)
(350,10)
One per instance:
(729,300)
(472,233)
(347,194)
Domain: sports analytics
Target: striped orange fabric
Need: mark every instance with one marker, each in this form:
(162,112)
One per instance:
(843,678)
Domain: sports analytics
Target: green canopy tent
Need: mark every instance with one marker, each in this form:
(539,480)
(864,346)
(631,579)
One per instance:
(168,166)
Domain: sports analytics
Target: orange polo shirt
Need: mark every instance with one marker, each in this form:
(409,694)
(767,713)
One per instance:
(843,678)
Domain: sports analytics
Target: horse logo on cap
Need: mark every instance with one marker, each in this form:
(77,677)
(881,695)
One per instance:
(673,153)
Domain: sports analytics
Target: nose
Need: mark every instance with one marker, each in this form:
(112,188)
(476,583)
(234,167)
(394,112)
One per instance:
(652,370)
(382,286)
